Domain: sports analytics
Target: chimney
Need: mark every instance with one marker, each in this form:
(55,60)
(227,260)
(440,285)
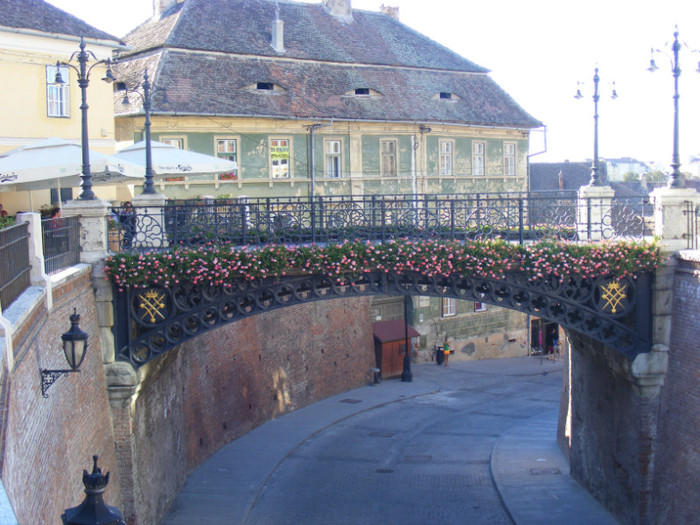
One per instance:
(339,7)
(278,33)
(393,12)
(161,6)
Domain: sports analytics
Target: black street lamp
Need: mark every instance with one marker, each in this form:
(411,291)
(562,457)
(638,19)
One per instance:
(93,510)
(83,57)
(676,177)
(595,178)
(406,375)
(146,98)
(74,347)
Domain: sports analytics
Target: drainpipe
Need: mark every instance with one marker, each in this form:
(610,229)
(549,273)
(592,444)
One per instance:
(544,128)
(312,174)
(423,130)
(414,146)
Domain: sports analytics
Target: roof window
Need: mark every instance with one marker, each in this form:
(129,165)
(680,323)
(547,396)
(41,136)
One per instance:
(265,86)
(446,95)
(361,91)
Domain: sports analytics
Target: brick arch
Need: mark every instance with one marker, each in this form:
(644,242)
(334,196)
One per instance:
(159,319)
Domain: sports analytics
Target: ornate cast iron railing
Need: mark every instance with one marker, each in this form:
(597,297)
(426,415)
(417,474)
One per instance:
(517,217)
(617,313)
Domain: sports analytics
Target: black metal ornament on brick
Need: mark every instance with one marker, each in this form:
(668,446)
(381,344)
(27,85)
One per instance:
(614,312)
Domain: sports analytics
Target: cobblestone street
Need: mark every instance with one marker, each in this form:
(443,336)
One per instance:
(423,456)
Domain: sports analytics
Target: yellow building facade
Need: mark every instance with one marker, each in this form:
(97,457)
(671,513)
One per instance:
(34,107)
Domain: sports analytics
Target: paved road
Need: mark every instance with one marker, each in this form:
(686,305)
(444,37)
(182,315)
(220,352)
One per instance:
(402,453)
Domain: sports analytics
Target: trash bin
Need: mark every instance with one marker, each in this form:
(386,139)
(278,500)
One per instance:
(377,375)
(439,355)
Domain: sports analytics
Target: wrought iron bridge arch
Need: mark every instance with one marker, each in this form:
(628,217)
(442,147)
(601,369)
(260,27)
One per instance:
(614,312)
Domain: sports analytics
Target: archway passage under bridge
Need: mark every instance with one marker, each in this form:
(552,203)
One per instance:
(614,311)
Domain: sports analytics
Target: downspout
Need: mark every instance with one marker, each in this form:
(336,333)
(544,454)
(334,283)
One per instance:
(534,154)
(312,176)
(528,319)
(414,188)
(312,172)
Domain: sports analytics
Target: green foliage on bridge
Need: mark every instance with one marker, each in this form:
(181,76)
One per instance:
(221,264)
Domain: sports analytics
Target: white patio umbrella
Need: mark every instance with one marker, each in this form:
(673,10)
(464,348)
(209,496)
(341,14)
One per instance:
(56,163)
(169,160)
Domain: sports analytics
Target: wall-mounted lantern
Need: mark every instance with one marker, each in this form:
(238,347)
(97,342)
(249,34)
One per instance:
(74,347)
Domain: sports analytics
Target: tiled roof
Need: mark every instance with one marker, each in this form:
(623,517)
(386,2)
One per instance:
(41,16)
(387,331)
(310,33)
(629,189)
(208,53)
(544,176)
(221,85)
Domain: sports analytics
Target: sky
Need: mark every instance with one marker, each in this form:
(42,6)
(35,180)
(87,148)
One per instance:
(538,51)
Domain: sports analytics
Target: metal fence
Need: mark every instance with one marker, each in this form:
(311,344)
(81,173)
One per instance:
(61,243)
(692,219)
(14,263)
(515,217)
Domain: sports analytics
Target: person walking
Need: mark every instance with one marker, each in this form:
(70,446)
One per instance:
(445,350)
(127,220)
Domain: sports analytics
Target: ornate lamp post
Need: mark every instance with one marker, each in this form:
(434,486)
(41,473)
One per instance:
(406,375)
(676,178)
(595,178)
(83,71)
(93,510)
(146,98)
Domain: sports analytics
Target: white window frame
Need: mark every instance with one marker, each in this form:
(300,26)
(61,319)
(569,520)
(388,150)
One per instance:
(509,152)
(446,148)
(227,153)
(478,158)
(57,95)
(333,158)
(392,156)
(449,307)
(277,170)
(177,142)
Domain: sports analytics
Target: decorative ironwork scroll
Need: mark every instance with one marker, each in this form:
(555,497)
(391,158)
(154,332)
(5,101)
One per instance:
(517,217)
(615,312)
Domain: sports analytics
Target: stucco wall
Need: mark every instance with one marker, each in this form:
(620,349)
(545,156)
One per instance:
(200,396)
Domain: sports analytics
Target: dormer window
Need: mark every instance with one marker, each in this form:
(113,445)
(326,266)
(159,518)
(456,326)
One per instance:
(363,92)
(265,87)
(446,95)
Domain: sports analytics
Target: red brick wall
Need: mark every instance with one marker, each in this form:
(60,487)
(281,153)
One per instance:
(48,442)
(675,491)
(613,430)
(221,385)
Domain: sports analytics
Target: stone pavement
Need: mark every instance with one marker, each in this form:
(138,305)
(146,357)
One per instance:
(528,468)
